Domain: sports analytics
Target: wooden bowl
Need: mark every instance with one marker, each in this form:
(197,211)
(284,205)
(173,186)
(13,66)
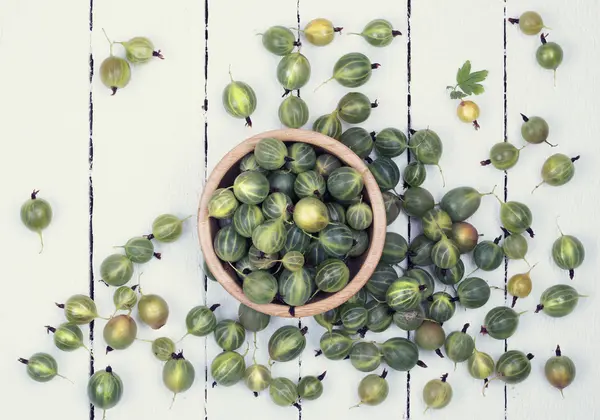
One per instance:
(361,268)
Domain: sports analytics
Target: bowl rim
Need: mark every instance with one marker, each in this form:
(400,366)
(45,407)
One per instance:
(343,153)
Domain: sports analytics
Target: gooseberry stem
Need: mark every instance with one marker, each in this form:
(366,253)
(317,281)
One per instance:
(465,327)
(396,33)
(64,377)
(39,232)
(325,82)
(439,353)
(513,21)
(338,29)
(375,66)
(109,41)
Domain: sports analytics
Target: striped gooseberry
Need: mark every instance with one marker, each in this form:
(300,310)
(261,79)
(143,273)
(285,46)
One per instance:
(445,253)
(296,287)
(488,255)
(293,72)
(115,73)
(277,205)
(260,287)
(311,387)
(105,389)
(392,204)
(163,348)
(462,202)
(414,174)
(401,354)
(119,332)
(283,181)
(515,246)
(279,40)
(557,170)
(227,368)
(529,22)
(419,251)
(560,370)
(355,107)
(116,270)
(251,319)
(335,345)
(79,309)
(379,316)
(239,100)
(405,294)
(345,183)
(549,55)
(140,50)
(427,147)
(178,374)
(503,156)
(385,171)
(293,112)
(153,310)
(125,298)
(249,163)
(167,228)
(329,124)
(326,164)
(296,240)
(440,307)
(336,239)
(465,236)
(261,260)
(320,31)
(251,187)
(222,204)
(36,215)
(67,337)
(459,346)
(379,33)
(310,184)
(381,279)
(270,236)
(519,285)
(359,140)
(287,343)
(480,365)
(501,322)
(423,278)
(257,378)
(558,300)
(284,392)
(201,320)
(417,201)
(248,217)
(409,320)
(41,367)
(516,217)
(436,223)
(473,292)
(390,142)
(568,252)
(373,389)
(354,316)
(359,216)
(365,357)
(302,158)
(513,367)
(315,254)
(229,245)
(437,393)
(430,336)
(535,130)
(352,70)
(395,248)
(311,215)
(229,334)
(450,276)
(140,250)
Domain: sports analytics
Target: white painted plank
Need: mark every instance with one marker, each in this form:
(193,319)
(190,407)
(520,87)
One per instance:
(44,133)
(442,40)
(570,109)
(149,160)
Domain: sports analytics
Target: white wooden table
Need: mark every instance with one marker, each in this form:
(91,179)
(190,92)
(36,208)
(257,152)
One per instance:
(109,165)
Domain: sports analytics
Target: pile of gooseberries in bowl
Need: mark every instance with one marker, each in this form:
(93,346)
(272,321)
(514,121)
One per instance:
(291,223)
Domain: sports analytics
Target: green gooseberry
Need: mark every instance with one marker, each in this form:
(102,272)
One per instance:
(386,172)
(115,73)
(392,205)
(336,240)
(345,183)
(283,181)
(414,174)
(529,22)
(229,334)
(277,205)
(459,346)
(326,164)
(513,366)
(120,332)
(365,357)
(79,309)
(462,202)
(140,250)
(311,387)
(501,322)
(359,140)
(452,275)
(67,337)
(105,389)
(247,218)
(535,130)
(239,100)
(283,392)
(379,33)
(201,320)
(229,245)
(260,287)
(270,236)
(116,270)
(436,223)
(41,367)
(315,255)
(445,253)
(163,348)
(409,320)
(329,124)
(249,163)
(417,201)
(287,343)
(381,279)
(516,217)
(390,142)
(293,112)
(419,251)
(424,278)
(440,307)
(352,70)
(379,316)
(503,156)
(395,248)
(427,148)
(296,240)
(401,354)
(125,298)
(328,318)
(36,215)
(140,50)
(293,72)
(568,252)
(167,228)
(222,204)
(488,255)
(153,311)
(309,184)
(558,300)
(465,236)
(373,389)
(260,260)
(244,266)
(549,55)
(335,345)
(303,158)
(473,292)
(311,215)
(354,316)
(437,393)
(337,213)
(178,374)
(293,261)
(480,365)
(228,368)
(557,170)
(355,107)
(279,40)
(515,247)
(251,319)
(257,378)
(560,370)
(251,187)
(359,297)
(405,294)
(430,336)
(296,287)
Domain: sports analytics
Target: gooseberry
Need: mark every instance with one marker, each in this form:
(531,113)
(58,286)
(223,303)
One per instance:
(352,70)
(116,270)
(239,100)
(503,156)
(167,228)
(153,310)
(67,337)
(557,170)
(560,371)
(119,332)
(558,300)
(178,374)
(529,22)
(311,387)
(320,32)
(437,393)
(373,389)
(535,130)
(293,72)
(379,33)
(41,367)
(36,215)
(139,50)
(355,107)
(105,389)
(279,40)
(468,112)
(568,252)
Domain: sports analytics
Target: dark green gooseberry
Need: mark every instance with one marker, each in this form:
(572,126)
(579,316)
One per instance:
(417,201)
(279,40)
(36,215)
(283,181)
(229,334)
(381,279)
(252,320)
(225,222)
(167,228)
(355,107)
(293,112)
(379,316)
(395,248)
(320,31)
(515,246)
(535,130)
(424,278)
(419,251)
(365,357)
(41,367)
(390,142)
(244,266)
(329,124)
(260,287)
(115,73)
(229,245)
(480,365)
(337,213)
(283,392)
(560,371)
(247,218)
(352,70)
(125,298)
(296,240)
(436,223)
(287,343)
(228,368)
(310,387)
(373,389)
(270,236)
(445,253)
(271,154)
(140,250)
(222,204)
(257,378)
(558,300)
(529,22)
(513,366)
(473,292)
(336,239)
(414,174)
(501,322)
(379,33)
(386,172)
(67,337)
(392,205)
(462,202)
(153,311)
(315,254)
(296,287)
(516,217)
(260,260)
(178,374)
(409,320)
(309,184)
(239,100)
(345,183)
(401,354)
(359,140)
(303,158)
(465,236)
(163,348)
(335,345)
(549,55)
(293,72)
(568,253)
(201,320)
(326,164)
(249,163)
(430,336)
(79,309)
(120,332)
(116,270)
(450,276)
(251,187)
(328,318)
(557,170)
(359,297)
(427,148)
(488,255)
(459,346)
(440,307)
(105,389)
(354,316)
(276,206)
(405,294)
(503,156)
(437,393)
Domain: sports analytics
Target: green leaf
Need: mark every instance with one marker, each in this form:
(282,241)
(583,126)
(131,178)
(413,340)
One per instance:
(463,72)
(470,84)
(478,89)
(450,87)
(457,95)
